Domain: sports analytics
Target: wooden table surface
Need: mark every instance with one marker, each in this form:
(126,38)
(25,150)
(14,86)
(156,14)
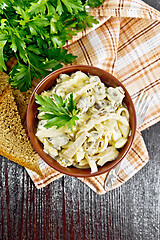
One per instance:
(68,209)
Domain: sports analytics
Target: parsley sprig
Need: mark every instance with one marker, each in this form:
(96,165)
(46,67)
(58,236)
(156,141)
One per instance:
(58,114)
(34,31)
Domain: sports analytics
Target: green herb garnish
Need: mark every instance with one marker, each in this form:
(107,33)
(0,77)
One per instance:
(60,114)
(35,32)
(94,3)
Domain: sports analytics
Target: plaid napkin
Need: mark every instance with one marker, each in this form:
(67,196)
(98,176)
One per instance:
(126,42)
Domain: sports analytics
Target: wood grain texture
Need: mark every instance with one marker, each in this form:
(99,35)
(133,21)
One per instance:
(67,209)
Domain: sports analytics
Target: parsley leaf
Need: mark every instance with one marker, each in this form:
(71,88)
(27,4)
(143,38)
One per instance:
(2,63)
(94,3)
(58,53)
(35,31)
(71,5)
(60,113)
(21,77)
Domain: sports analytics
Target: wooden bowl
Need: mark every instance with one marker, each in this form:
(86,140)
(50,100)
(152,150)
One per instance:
(48,82)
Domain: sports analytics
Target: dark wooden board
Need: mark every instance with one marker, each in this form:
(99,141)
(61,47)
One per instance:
(67,209)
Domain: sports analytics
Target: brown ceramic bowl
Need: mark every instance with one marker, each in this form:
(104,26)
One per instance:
(47,83)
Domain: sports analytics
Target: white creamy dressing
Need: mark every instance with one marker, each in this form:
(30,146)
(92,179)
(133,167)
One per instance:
(101,130)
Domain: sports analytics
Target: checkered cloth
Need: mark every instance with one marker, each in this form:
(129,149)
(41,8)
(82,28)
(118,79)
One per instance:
(126,42)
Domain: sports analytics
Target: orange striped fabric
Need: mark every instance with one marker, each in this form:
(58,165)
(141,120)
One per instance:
(126,42)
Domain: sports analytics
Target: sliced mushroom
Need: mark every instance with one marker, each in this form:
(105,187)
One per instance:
(100,89)
(84,103)
(58,141)
(115,94)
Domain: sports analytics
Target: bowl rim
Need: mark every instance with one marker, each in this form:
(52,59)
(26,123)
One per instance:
(32,136)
